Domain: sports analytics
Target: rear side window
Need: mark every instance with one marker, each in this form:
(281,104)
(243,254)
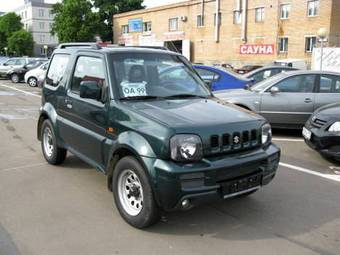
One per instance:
(329,84)
(57,69)
(207,75)
(88,69)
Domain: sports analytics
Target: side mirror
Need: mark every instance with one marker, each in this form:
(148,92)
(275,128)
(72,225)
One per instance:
(5,64)
(90,89)
(274,90)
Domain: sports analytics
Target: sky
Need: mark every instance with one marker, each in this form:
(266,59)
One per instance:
(8,5)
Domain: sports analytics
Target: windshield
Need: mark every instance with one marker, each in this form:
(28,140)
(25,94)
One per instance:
(147,75)
(267,82)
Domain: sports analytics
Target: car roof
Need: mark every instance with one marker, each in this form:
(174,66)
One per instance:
(311,72)
(268,68)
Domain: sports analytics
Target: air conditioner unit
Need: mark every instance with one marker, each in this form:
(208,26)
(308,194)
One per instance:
(184,18)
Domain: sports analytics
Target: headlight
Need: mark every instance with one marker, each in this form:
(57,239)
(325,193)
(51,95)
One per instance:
(186,148)
(266,133)
(335,127)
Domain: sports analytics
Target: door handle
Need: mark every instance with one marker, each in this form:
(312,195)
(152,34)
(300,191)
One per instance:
(68,103)
(308,100)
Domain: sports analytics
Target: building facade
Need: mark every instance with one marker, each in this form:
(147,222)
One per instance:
(242,32)
(37,19)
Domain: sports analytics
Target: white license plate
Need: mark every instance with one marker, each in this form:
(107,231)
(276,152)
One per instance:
(306,133)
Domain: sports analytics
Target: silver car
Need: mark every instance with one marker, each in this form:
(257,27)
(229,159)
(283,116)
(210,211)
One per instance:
(288,99)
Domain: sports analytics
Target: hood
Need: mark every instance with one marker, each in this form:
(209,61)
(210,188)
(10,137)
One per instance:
(331,110)
(190,115)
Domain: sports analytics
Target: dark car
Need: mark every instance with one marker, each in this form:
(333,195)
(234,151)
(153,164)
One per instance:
(17,75)
(322,131)
(263,73)
(220,79)
(247,69)
(164,143)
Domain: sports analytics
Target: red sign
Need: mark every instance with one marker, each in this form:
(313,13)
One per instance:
(257,49)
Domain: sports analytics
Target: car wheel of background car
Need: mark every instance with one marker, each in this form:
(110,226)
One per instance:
(32,82)
(133,194)
(52,153)
(15,78)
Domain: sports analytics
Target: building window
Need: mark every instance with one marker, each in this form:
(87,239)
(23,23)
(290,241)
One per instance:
(42,25)
(219,18)
(284,11)
(313,7)
(50,12)
(41,12)
(42,38)
(147,26)
(283,44)
(200,20)
(237,18)
(25,14)
(259,14)
(310,43)
(173,24)
(26,26)
(125,29)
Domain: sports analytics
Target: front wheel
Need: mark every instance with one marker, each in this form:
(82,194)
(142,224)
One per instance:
(15,78)
(52,153)
(133,194)
(32,82)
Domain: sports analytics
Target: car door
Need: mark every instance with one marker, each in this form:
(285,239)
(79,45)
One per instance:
(328,90)
(293,103)
(85,120)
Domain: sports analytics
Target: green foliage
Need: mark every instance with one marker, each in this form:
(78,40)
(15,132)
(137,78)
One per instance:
(107,8)
(9,23)
(21,43)
(75,21)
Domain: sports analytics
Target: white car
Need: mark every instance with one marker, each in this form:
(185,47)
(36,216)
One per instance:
(32,76)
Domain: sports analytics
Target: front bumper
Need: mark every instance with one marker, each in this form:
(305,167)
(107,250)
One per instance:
(207,180)
(326,143)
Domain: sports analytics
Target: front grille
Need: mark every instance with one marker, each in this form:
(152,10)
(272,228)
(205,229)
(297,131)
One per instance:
(318,122)
(236,141)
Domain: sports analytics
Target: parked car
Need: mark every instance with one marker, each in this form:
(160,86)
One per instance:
(32,76)
(263,73)
(17,74)
(162,144)
(15,63)
(247,69)
(220,79)
(322,131)
(287,100)
(291,62)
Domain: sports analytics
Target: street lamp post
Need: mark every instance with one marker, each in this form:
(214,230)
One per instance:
(322,34)
(46,49)
(6,49)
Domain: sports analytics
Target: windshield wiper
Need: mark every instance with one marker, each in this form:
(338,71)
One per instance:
(140,97)
(185,96)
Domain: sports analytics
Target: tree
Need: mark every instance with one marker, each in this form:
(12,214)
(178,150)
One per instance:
(107,8)
(9,23)
(75,21)
(21,42)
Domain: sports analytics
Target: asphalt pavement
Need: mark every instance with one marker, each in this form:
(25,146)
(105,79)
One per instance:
(67,209)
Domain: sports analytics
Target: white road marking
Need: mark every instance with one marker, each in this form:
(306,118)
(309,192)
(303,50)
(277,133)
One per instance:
(311,172)
(22,167)
(287,139)
(22,91)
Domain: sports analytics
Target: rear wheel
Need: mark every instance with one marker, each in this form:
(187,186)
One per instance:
(133,194)
(52,153)
(32,82)
(15,78)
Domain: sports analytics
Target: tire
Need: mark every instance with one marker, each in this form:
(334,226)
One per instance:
(15,78)
(139,209)
(53,154)
(32,82)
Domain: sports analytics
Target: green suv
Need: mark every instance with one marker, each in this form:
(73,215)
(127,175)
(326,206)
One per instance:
(145,118)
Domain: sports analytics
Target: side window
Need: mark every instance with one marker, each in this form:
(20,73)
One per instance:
(297,84)
(325,84)
(57,69)
(88,69)
(10,62)
(207,75)
(337,86)
(20,62)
